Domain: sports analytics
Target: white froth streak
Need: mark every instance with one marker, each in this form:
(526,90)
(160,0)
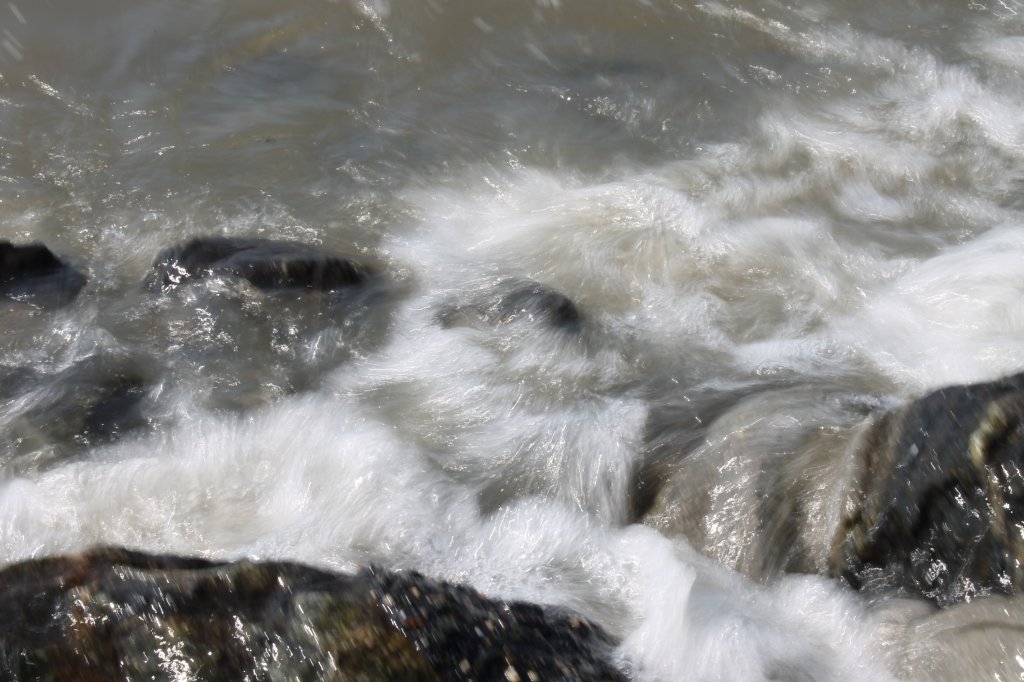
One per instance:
(510,411)
(710,254)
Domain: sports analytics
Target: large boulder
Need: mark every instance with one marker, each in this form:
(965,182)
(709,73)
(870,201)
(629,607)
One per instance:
(925,498)
(937,505)
(33,273)
(266,264)
(116,614)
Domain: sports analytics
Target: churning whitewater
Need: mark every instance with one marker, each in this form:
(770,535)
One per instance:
(632,282)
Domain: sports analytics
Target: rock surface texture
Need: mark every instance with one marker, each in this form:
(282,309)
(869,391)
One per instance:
(110,614)
(938,506)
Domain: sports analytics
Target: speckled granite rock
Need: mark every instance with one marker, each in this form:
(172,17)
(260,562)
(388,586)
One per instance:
(110,614)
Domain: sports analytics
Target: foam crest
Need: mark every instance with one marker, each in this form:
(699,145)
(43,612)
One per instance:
(967,296)
(510,412)
(232,486)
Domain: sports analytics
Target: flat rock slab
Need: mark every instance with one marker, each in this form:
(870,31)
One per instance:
(111,614)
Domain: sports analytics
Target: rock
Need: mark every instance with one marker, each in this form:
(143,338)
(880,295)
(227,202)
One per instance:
(976,640)
(515,300)
(937,505)
(116,614)
(260,319)
(91,402)
(757,492)
(266,264)
(32,272)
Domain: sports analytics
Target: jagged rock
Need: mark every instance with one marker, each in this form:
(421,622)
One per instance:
(266,264)
(514,300)
(938,505)
(116,614)
(32,272)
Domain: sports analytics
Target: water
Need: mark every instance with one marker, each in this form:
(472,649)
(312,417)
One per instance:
(772,219)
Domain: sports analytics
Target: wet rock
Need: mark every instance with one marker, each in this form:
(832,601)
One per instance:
(31,272)
(266,264)
(938,504)
(676,426)
(115,614)
(49,417)
(978,640)
(250,320)
(758,491)
(512,301)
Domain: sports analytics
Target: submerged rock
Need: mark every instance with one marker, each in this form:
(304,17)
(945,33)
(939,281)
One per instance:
(45,418)
(266,264)
(32,272)
(116,614)
(757,489)
(251,320)
(938,505)
(512,301)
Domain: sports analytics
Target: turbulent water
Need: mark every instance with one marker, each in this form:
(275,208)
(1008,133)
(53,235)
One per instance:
(772,220)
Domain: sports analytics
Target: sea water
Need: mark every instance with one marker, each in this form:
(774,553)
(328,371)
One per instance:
(741,199)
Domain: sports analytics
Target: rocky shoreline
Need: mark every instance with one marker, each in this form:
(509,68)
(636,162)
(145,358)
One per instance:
(931,502)
(111,613)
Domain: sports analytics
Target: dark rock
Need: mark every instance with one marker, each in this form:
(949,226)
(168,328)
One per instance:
(465,635)
(117,614)
(938,504)
(512,301)
(262,319)
(93,401)
(32,272)
(267,264)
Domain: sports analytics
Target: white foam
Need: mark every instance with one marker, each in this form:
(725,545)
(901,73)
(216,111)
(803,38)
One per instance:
(954,318)
(320,482)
